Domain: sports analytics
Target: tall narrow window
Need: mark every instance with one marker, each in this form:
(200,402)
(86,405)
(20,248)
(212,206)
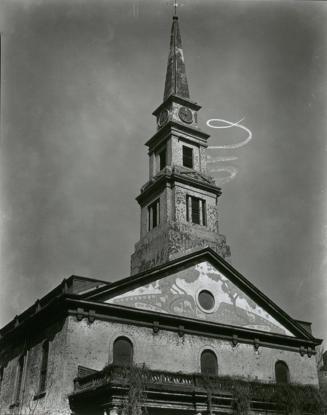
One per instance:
(19,377)
(44,366)
(122,352)
(1,376)
(195,210)
(209,364)
(282,374)
(153,214)
(188,157)
(162,159)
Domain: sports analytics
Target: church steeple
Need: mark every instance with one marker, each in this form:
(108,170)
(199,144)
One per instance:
(176,80)
(179,203)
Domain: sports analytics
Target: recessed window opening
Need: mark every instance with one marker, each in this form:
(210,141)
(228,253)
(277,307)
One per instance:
(188,157)
(196,210)
(154,215)
(19,378)
(122,352)
(163,158)
(209,363)
(206,300)
(44,366)
(282,374)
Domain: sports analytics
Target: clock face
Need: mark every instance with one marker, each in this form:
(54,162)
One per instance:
(185,115)
(163,118)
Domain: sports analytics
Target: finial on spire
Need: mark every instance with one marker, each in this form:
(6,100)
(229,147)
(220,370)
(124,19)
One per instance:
(175,5)
(175,8)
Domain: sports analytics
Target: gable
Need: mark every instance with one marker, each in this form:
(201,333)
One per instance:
(180,294)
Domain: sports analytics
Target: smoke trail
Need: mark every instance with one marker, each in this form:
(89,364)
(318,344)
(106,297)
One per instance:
(231,170)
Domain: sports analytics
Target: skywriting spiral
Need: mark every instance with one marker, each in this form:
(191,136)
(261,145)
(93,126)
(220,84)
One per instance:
(217,167)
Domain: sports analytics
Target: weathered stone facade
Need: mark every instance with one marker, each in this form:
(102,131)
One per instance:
(175,236)
(158,310)
(70,347)
(30,400)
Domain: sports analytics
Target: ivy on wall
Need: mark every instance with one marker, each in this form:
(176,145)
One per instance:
(288,399)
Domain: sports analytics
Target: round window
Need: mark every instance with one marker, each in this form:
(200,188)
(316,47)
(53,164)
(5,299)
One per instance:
(206,300)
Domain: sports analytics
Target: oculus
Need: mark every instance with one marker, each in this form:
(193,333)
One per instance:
(206,300)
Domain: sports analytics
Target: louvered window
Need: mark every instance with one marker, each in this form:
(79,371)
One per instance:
(122,352)
(196,210)
(44,366)
(162,159)
(209,364)
(154,214)
(188,157)
(19,378)
(282,374)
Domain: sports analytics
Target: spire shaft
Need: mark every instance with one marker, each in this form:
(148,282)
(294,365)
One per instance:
(176,81)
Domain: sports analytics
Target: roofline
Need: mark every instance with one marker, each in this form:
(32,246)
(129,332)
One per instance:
(180,100)
(67,304)
(136,280)
(183,325)
(55,297)
(42,302)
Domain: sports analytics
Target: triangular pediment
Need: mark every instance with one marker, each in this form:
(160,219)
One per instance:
(202,291)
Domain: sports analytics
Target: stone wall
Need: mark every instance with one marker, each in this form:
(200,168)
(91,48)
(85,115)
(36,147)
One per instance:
(55,397)
(177,153)
(167,351)
(172,240)
(175,236)
(91,345)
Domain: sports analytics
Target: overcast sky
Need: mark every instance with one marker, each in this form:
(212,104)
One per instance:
(80,80)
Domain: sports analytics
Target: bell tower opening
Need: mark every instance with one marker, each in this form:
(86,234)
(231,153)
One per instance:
(179,203)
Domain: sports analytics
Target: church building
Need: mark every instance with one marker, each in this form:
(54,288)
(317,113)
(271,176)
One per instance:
(185,333)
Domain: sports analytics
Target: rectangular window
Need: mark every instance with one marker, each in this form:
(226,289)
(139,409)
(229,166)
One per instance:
(154,214)
(44,366)
(188,157)
(196,210)
(162,159)
(19,378)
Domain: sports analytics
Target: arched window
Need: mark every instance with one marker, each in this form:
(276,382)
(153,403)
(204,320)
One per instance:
(122,352)
(282,374)
(209,364)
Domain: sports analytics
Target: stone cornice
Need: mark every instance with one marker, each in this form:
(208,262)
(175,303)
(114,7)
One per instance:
(46,303)
(175,98)
(207,254)
(72,304)
(60,302)
(170,177)
(174,127)
(184,325)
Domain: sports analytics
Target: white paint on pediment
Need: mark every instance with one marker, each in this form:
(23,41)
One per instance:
(178,294)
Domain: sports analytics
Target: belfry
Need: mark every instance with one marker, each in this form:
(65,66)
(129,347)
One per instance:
(185,333)
(179,203)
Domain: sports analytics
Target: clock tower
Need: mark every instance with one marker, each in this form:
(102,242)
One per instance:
(179,203)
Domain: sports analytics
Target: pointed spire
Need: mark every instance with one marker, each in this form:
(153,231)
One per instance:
(176,81)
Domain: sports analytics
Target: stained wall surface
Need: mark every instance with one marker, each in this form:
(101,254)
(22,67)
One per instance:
(55,397)
(91,345)
(179,294)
